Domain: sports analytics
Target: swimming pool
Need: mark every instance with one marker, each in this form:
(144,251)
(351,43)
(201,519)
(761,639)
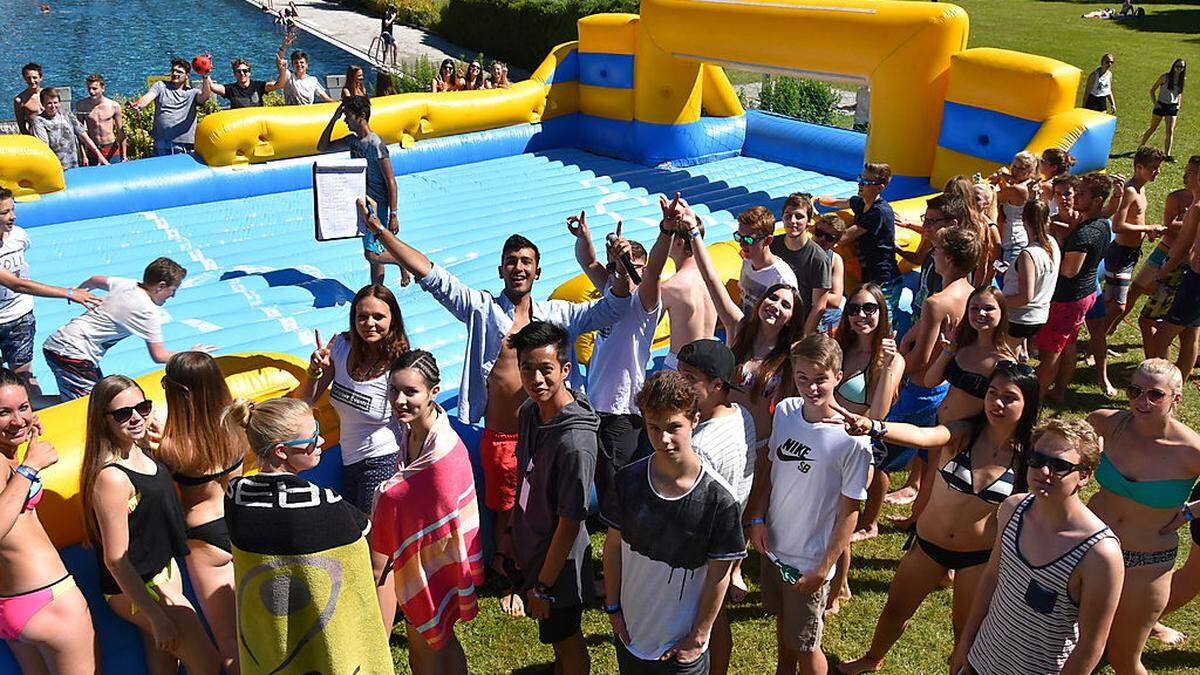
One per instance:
(127,40)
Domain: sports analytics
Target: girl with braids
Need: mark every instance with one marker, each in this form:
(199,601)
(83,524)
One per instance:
(133,521)
(43,616)
(980,464)
(428,506)
(203,455)
(1029,283)
(353,366)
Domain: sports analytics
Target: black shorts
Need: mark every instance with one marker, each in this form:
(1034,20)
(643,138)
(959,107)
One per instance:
(1097,103)
(1024,331)
(628,664)
(562,624)
(1166,109)
(1194,526)
(1185,310)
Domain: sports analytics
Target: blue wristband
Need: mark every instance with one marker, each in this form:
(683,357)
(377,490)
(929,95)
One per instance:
(28,472)
(755,521)
(612,609)
(1188,516)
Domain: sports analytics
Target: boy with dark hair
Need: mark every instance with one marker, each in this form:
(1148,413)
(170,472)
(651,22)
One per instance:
(363,143)
(244,92)
(556,460)
(760,268)
(176,104)
(874,230)
(104,119)
(828,229)
(804,506)
(812,268)
(622,350)
(673,534)
(62,131)
(1075,291)
(302,88)
(28,103)
(73,352)
(1130,228)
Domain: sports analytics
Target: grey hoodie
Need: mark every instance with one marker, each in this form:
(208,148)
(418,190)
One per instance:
(556,462)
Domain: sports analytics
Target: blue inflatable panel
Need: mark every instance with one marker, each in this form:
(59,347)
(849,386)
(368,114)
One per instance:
(903,187)
(1093,146)
(567,70)
(651,144)
(987,134)
(606,70)
(828,150)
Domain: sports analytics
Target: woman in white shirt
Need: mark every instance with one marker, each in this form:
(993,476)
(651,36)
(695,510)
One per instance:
(1098,94)
(1029,284)
(354,367)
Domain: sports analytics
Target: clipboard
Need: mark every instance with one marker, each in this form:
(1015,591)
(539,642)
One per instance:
(337,184)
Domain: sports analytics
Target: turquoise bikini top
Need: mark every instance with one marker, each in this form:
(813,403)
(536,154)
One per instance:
(854,388)
(1156,494)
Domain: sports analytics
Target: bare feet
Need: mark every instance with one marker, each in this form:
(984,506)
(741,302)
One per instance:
(905,495)
(737,585)
(865,533)
(512,605)
(833,604)
(1106,388)
(864,665)
(1167,635)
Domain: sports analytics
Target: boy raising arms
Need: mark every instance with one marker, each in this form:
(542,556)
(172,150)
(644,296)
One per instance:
(556,459)
(690,309)
(1129,226)
(804,505)
(673,533)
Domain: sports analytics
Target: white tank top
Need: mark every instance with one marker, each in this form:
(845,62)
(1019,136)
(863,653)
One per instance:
(1013,236)
(1045,273)
(1168,95)
(1102,84)
(364,414)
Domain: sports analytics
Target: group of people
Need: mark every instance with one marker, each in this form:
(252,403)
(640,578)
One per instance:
(470,77)
(1166,97)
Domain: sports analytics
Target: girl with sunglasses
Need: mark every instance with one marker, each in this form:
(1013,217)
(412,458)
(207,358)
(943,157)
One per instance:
(872,371)
(289,536)
(447,78)
(980,465)
(1167,95)
(1029,284)
(134,522)
(1150,463)
(827,232)
(43,616)
(473,78)
(203,456)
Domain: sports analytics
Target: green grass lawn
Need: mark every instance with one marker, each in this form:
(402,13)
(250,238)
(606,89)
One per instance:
(1143,50)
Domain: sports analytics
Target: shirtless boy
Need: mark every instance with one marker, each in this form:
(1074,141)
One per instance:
(490,389)
(1129,226)
(690,310)
(105,124)
(28,103)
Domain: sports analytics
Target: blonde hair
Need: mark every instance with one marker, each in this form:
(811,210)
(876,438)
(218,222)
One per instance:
(1165,369)
(1024,161)
(266,424)
(1079,434)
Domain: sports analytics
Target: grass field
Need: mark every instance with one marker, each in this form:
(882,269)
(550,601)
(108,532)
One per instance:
(1143,48)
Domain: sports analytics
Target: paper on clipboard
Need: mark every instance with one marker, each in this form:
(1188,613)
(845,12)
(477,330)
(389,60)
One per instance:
(337,184)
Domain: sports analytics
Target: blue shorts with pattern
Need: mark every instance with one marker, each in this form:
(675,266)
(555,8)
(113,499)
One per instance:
(16,341)
(370,242)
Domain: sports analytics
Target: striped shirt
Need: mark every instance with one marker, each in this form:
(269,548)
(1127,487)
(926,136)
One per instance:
(726,443)
(1033,622)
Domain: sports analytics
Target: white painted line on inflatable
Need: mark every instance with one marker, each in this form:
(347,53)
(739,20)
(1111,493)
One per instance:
(780,5)
(200,325)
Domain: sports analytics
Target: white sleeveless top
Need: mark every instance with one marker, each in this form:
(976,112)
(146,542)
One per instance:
(1045,273)
(1102,85)
(1013,236)
(364,414)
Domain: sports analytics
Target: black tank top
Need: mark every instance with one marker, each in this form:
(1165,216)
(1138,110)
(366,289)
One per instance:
(157,532)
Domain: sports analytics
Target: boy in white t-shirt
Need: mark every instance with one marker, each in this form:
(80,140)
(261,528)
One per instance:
(761,269)
(804,505)
(74,351)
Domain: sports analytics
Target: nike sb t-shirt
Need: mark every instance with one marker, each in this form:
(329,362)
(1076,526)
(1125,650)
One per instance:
(813,465)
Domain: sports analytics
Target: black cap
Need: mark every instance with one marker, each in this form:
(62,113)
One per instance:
(711,357)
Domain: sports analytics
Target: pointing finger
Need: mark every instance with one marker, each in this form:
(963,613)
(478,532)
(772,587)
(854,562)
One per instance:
(619,224)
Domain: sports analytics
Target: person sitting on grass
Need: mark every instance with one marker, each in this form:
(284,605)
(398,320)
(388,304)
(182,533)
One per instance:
(804,504)
(556,459)
(63,132)
(674,531)
(244,92)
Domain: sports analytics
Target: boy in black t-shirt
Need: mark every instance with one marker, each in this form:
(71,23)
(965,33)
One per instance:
(805,256)
(874,231)
(244,92)
(673,535)
(556,461)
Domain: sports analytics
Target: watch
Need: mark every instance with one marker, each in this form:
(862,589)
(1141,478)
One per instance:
(878,429)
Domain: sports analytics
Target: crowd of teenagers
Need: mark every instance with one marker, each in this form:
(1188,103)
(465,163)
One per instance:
(772,424)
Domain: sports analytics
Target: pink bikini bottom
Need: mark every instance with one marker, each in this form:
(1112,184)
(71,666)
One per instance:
(17,610)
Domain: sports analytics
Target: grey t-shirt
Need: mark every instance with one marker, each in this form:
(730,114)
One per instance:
(174,114)
(812,267)
(60,133)
(373,149)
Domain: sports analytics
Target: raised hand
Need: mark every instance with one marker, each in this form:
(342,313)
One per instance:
(578,227)
(366,215)
(948,333)
(320,360)
(618,247)
(856,425)
(41,453)
(887,349)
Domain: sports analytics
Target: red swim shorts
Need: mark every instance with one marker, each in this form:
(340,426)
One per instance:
(498,453)
(1066,318)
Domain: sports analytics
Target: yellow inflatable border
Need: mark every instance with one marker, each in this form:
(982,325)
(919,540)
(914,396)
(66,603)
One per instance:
(28,167)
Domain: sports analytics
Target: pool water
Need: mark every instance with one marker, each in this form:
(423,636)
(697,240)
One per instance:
(128,40)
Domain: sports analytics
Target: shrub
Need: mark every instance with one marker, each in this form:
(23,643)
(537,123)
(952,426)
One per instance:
(414,76)
(809,100)
(521,32)
(140,123)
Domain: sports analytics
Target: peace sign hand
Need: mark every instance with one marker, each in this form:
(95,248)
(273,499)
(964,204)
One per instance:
(320,359)
(856,425)
(948,333)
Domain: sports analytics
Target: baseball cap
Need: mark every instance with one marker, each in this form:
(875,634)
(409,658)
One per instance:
(711,357)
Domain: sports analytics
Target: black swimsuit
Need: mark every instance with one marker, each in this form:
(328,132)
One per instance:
(214,532)
(156,528)
(973,384)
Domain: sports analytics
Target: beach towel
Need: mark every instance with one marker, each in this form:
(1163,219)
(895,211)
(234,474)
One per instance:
(426,519)
(306,599)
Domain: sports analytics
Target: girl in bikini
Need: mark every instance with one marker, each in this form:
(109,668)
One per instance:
(474,77)
(43,616)
(134,522)
(1150,463)
(447,78)
(203,455)
(355,82)
(980,464)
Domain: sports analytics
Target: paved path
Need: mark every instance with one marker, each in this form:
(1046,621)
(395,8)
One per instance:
(353,31)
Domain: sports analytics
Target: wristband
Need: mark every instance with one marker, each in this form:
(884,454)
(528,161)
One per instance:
(543,592)
(754,521)
(695,232)
(612,609)
(1188,516)
(662,229)
(948,352)
(878,429)
(31,473)
(316,374)
(69,295)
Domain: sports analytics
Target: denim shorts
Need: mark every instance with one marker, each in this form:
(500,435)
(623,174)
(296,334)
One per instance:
(16,341)
(360,479)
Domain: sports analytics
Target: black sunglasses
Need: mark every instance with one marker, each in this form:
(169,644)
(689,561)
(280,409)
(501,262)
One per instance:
(1015,367)
(827,236)
(241,70)
(123,415)
(865,308)
(1135,392)
(1057,465)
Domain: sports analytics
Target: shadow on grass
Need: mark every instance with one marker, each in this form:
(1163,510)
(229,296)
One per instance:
(1174,659)
(1180,21)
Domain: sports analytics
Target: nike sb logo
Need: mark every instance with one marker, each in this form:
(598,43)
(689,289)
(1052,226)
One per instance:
(792,450)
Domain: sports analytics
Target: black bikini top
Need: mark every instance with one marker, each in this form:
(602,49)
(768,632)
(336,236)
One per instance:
(192,481)
(973,384)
